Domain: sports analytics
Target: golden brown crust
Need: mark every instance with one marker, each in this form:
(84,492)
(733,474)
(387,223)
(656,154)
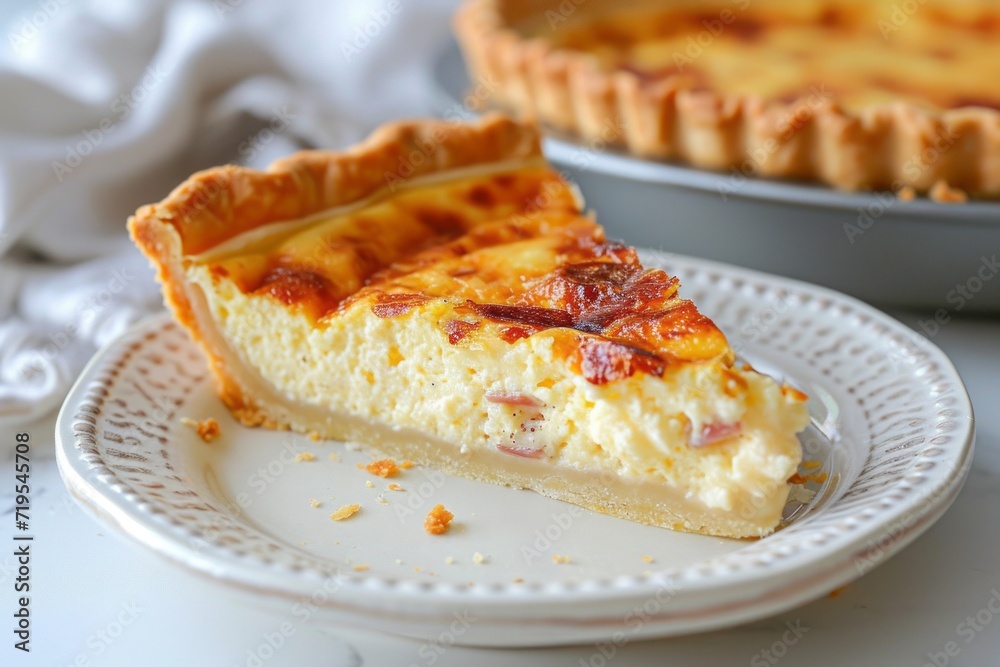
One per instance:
(218,204)
(878,147)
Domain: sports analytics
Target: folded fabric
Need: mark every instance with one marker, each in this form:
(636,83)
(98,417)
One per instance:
(109,104)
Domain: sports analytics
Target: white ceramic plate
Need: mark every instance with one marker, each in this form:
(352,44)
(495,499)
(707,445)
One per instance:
(892,426)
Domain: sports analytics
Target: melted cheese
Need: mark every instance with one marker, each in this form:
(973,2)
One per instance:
(931,53)
(511,250)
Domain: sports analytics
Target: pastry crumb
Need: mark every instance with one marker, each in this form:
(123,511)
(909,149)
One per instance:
(478,558)
(406,465)
(943,193)
(519,580)
(315,503)
(906,194)
(208,429)
(560,560)
(438,520)
(450,560)
(303,457)
(812,465)
(416,568)
(360,567)
(381,499)
(315,437)
(345,512)
(815,478)
(800,494)
(370,484)
(647,559)
(395,487)
(334,456)
(383,468)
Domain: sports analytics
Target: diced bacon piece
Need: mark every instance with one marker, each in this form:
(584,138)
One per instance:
(393,305)
(716,432)
(523,452)
(514,398)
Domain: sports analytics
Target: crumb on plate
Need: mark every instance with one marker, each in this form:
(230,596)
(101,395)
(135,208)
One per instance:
(383,468)
(815,478)
(360,567)
(334,456)
(315,436)
(450,560)
(478,558)
(438,520)
(345,512)
(560,560)
(395,487)
(647,559)
(406,465)
(314,502)
(800,494)
(906,193)
(943,193)
(304,457)
(208,429)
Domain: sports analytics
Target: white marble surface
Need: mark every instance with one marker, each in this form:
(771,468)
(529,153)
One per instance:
(98,600)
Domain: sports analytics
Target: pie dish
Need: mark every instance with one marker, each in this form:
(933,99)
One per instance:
(437,293)
(858,95)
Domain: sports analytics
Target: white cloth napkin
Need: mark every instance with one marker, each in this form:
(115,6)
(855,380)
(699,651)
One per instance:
(108,104)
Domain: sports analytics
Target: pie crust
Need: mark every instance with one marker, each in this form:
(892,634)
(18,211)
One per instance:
(514,47)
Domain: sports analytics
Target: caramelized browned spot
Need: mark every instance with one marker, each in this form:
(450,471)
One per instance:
(459,329)
(747,29)
(511,334)
(532,315)
(831,17)
(441,221)
(597,292)
(393,305)
(678,330)
(602,360)
(482,196)
(300,288)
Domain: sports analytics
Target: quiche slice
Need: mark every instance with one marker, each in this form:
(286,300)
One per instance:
(437,292)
